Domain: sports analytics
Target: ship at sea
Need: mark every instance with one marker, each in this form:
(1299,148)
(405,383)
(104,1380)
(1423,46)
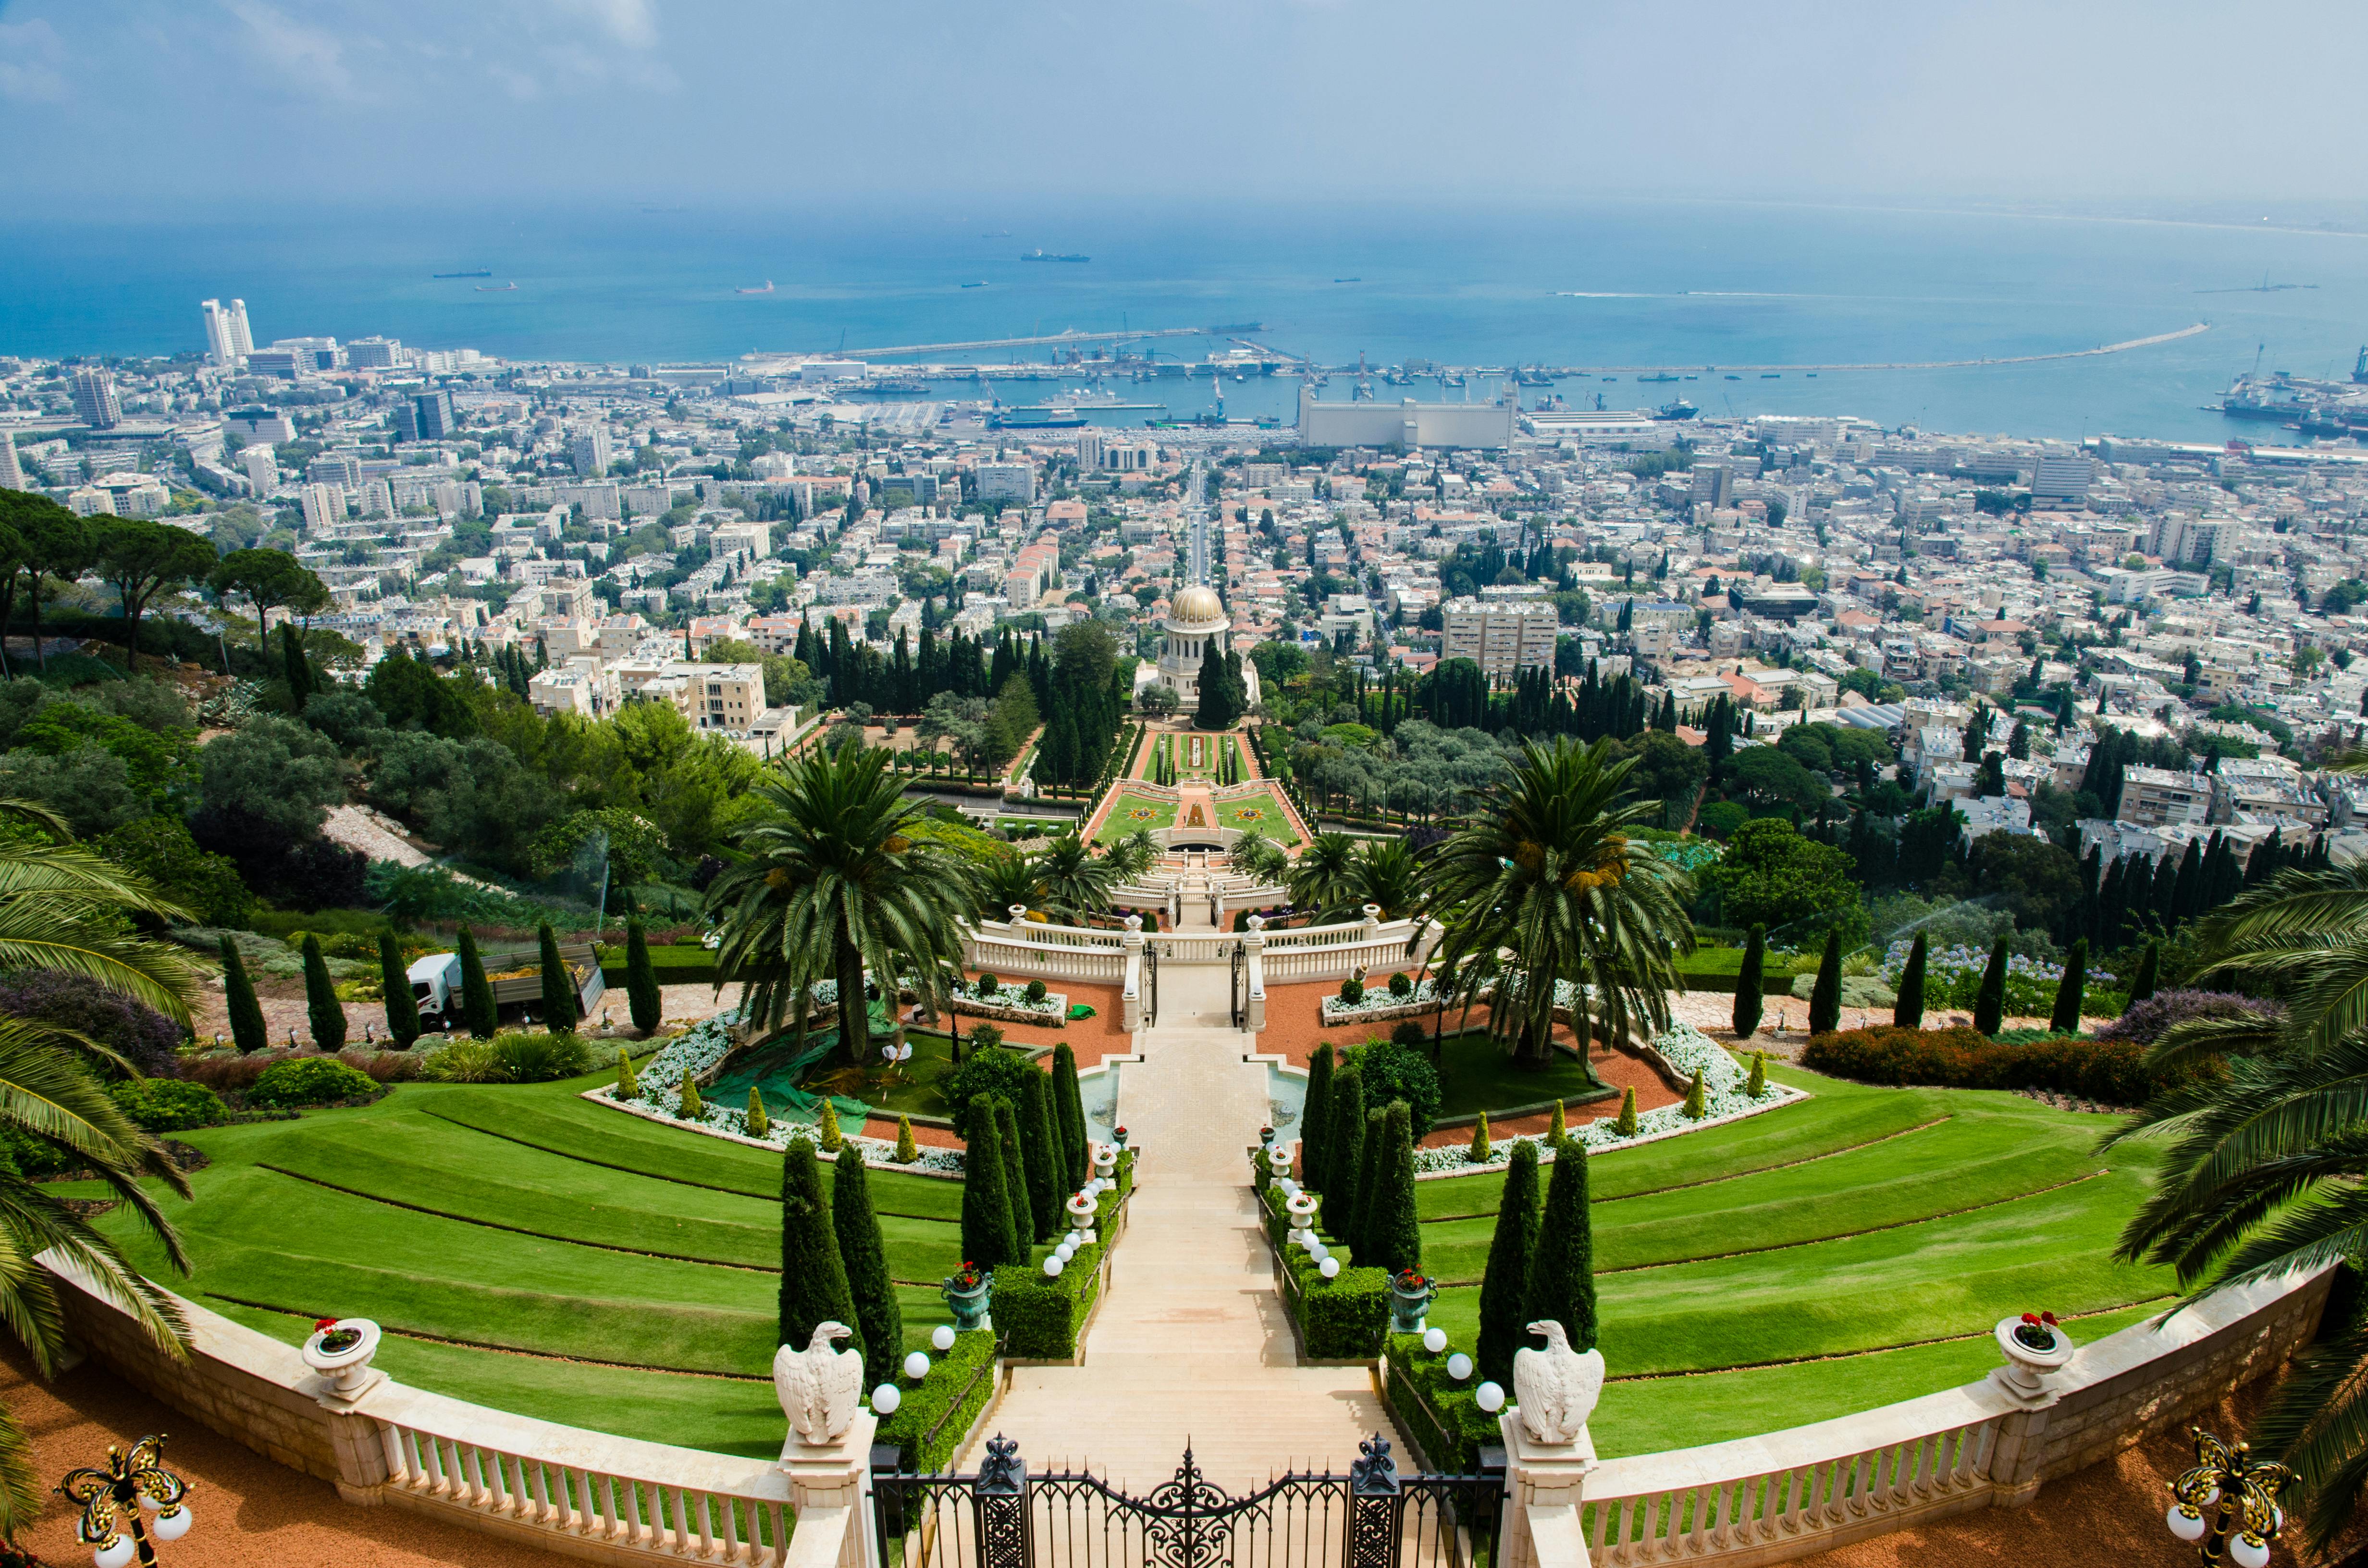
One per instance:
(766,290)
(1037,416)
(1048,255)
(1679,409)
(487,273)
(496,288)
(1664,376)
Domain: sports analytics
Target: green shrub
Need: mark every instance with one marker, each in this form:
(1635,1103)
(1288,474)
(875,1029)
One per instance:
(1394,1072)
(988,985)
(463,1060)
(1343,1318)
(168,1105)
(2109,1071)
(311,1080)
(1410,1034)
(1035,992)
(1441,1416)
(1401,985)
(541,1058)
(938,1410)
(1042,1318)
(1352,991)
(1000,1073)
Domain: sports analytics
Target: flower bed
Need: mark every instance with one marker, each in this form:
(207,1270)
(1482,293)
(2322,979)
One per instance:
(1683,1050)
(1378,1004)
(1952,978)
(2109,1071)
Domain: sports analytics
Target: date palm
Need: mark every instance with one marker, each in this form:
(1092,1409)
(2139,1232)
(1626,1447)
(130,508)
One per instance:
(828,885)
(1077,882)
(1320,876)
(1536,884)
(2267,1162)
(61,909)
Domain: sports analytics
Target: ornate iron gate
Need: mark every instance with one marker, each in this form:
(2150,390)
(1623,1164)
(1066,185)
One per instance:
(1004,1517)
(1241,986)
(1150,984)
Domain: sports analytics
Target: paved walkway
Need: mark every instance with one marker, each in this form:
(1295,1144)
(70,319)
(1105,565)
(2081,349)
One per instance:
(1191,1345)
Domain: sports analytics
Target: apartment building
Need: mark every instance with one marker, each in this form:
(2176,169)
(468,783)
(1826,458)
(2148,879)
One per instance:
(1501,636)
(2155,797)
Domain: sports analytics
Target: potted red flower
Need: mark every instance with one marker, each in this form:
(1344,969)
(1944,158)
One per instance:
(970,1292)
(1410,1297)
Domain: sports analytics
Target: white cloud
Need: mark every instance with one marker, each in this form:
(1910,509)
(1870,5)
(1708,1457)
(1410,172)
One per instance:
(633,23)
(30,53)
(312,59)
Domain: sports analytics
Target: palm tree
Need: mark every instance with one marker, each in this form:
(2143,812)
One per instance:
(1132,856)
(829,884)
(1005,880)
(2267,1169)
(1537,884)
(61,909)
(1320,876)
(1386,876)
(1077,882)
(1262,858)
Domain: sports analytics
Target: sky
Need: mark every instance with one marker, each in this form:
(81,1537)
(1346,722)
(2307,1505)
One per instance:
(231,104)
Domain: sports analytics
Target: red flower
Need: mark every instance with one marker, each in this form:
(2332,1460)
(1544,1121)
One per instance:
(2047,1318)
(2031,1318)
(322,1326)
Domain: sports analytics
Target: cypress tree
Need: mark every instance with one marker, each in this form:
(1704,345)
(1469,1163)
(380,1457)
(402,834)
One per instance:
(1558,1130)
(477,1007)
(1373,1157)
(1039,1153)
(642,992)
(2142,985)
(1315,1110)
(558,993)
(292,663)
(814,1277)
(322,1008)
(1989,1002)
(1345,1143)
(1394,1228)
(1627,1124)
(1069,1110)
(401,1007)
(1747,982)
(1015,1178)
(1504,1287)
(1562,1270)
(2065,1019)
(1825,997)
(1480,1150)
(879,1322)
(987,1235)
(1908,1013)
(247,1030)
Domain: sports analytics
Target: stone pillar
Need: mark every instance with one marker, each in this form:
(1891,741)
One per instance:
(1129,1003)
(1372,922)
(1544,1485)
(1256,943)
(831,1482)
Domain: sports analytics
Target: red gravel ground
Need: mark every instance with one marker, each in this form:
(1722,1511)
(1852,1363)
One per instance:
(249,1511)
(1092,1039)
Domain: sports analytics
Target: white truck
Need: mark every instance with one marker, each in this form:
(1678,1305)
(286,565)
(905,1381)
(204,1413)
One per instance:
(436,980)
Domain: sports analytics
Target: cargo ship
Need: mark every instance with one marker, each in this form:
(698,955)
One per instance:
(1048,255)
(1037,416)
(487,273)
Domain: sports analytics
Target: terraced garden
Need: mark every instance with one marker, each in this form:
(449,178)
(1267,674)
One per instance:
(1832,1256)
(532,1252)
(1131,813)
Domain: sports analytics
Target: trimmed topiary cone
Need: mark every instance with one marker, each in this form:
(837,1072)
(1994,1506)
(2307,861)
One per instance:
(906,1150)
(1989,1002)
(814,1277)
(1556,1130)
(826,1127)
(758,1123)
(692,1107)
(1825,995)
(247,1030)
(1696,1108)
(2065,1019)
(1505,1280)
(1626,1125)
(394,983)
(629,1086)
(1481,1152)
(323,1011)
(1908,1013)
(879,1319)
(1757,1084)
(1750,982)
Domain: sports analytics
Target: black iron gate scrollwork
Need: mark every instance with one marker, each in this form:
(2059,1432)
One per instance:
(1150,984)
(1004,1517)
(1241,986)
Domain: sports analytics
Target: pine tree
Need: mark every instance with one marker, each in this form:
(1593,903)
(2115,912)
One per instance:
(1395,1229)
(1562,1268)
(401,1007)
(1908,1013)
(879,1321)
(1826,997)
(647,1003)
(1039,1153)
(477,1009)
(1374,1158)
(1696,1107)
(907,1150)
(558,990)
(759,1124)
(629,1084)
(1068,1108)
(2141,984)
(322,1008)
(1989,1002)
(1749,980)
(1315,1110)
(1481,1152)
(814,1277)
(1503,1286)
(693,1108)
(247,1030)
(1625,1125)
(2066,1018)
(986,1233)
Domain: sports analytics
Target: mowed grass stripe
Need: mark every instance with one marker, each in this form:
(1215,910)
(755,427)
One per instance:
(419,1163)
(1944,1168)
(598,1136)
(1930,1281)
(1843,1117)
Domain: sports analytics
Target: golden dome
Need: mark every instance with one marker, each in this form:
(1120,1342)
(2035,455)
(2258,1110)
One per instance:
(1197,606)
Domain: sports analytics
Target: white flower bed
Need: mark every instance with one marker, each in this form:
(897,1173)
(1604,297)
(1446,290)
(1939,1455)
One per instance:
(1013,999)
(1377,1002)
(697,1050)
(1686,1048)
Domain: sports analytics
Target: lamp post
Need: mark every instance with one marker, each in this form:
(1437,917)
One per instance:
(2242,1493)
(115,1500)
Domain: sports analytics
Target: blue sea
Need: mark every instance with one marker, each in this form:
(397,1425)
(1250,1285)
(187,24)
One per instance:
(1673,283)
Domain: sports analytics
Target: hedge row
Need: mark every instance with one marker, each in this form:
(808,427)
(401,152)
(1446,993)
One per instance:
(939,1409)
(1340,1319)
(2111,1072)
(1442,1416)
(1040,1318)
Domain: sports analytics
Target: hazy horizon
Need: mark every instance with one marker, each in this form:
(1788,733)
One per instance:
(2173,112)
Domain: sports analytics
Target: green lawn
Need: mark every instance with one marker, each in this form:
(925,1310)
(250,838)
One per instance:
(530,1250)
(1263,812)
(1836,1254)
(1475,1075)
(1131,813)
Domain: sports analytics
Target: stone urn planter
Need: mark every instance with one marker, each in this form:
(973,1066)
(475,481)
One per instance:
(1410,1298)
(1106,1161)
(340,1351)
(1300,1206)
(2035,1346)
(971,1294)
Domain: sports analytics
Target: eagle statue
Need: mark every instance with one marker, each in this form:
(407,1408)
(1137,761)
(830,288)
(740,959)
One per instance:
(1556,1387)
(819,1387)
